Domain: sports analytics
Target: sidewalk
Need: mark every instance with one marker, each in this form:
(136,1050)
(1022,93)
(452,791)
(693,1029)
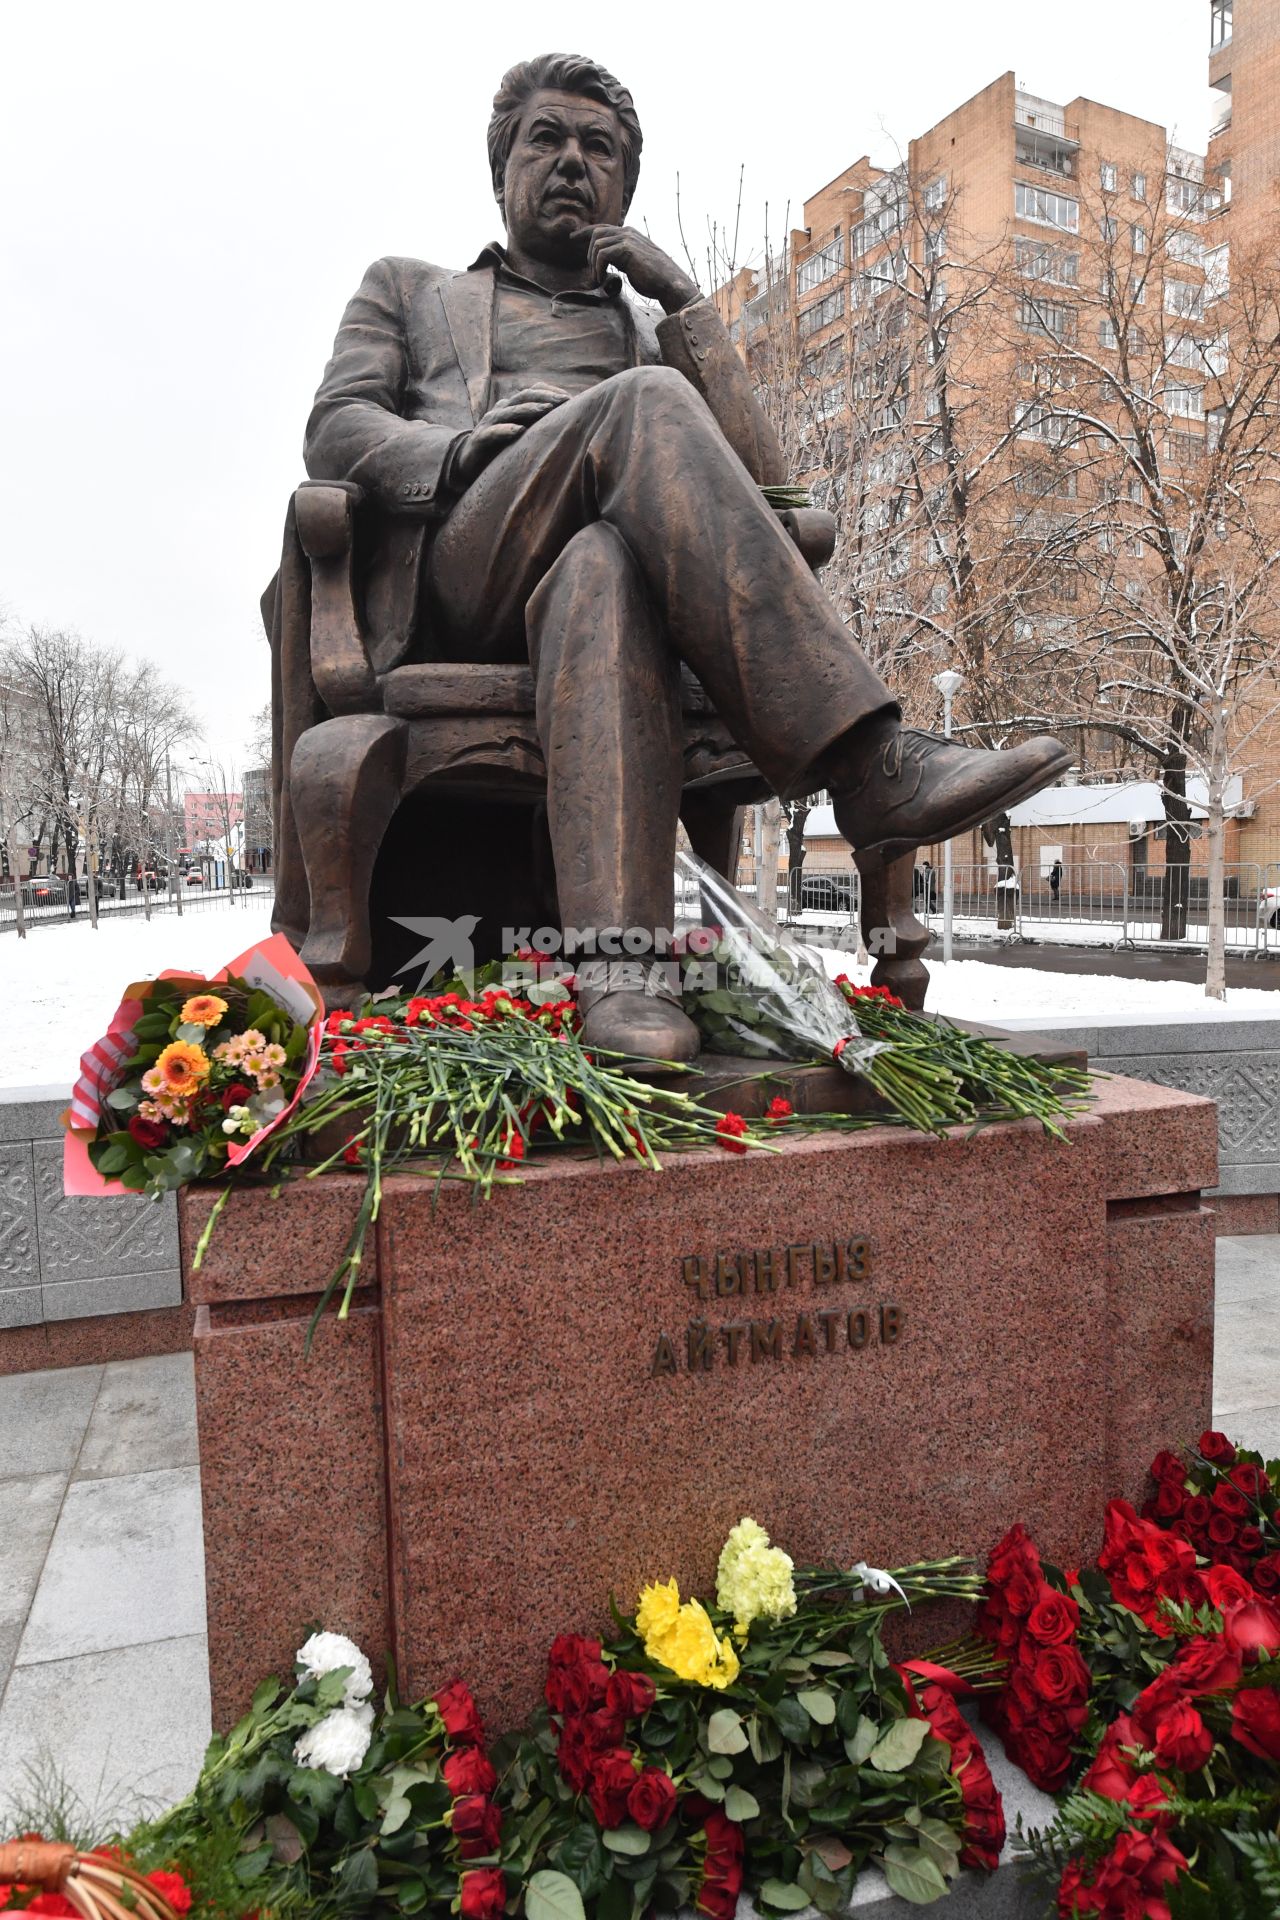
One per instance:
(103,1684)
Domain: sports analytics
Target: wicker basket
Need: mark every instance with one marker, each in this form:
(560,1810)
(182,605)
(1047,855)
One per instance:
(96,1887)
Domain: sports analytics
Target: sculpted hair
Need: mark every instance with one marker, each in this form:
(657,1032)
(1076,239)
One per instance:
(562,73)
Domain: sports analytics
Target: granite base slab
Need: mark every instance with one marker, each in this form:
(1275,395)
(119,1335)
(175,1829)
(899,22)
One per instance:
(882,1346)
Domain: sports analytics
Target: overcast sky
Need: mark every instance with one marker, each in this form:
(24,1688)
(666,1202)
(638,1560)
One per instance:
(192,193)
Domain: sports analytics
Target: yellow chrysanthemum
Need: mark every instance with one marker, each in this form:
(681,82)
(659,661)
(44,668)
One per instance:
(183,1068)
(753,1579)
(203,1010)
(656,1613)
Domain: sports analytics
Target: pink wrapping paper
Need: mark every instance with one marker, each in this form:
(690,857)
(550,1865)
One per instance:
(272,965)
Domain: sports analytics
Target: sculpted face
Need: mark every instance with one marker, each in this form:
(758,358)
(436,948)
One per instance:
(564,173)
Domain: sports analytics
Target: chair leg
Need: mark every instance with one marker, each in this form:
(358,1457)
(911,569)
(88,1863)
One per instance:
(346,778)
(714,827)
(890,929)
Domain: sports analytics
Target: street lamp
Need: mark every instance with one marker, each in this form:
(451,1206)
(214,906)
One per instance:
(948,683)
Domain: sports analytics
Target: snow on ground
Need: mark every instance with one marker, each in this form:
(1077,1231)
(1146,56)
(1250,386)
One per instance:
(978,990)
(60,986)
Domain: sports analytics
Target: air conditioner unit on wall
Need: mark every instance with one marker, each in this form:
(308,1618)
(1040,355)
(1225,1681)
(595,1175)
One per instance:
(1137,829)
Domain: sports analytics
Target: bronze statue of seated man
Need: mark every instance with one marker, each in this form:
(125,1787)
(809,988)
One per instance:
(588,487)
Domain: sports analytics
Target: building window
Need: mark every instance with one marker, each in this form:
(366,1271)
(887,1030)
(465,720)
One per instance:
(1213,424)
(1107,332)
(1186,246)
(820,266)
(1192,197)
(1034,422)
(1139,186)
(1139,237)
(1138,289)
(1109,227)
(1184,297)
(1220,23)
(1217,272)
(1038,260)
(1109,176)
(1186,402)
(821,313)
(935,194)
(1046,208)
(1184,350)
(1184,449)
(1047,316)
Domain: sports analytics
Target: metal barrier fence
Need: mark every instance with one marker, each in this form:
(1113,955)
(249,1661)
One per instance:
(54,910)
(1097,902)
(825,891)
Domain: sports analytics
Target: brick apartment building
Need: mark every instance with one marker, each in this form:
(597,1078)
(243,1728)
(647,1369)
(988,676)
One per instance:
(207,817)
(1012,173)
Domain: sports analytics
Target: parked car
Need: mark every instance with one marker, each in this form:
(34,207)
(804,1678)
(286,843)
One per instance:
(46,891)
(195,878)
(1269,907)
(152,881)
(826,892)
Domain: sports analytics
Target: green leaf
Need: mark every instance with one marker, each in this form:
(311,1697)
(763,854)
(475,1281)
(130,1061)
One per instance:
(552,1896)
(720,1766)
(818,1704)
(793,1722)
(629,1840)
(725,1732)
(895,1750)
(741,1805)
(265,1695)
(784,1894)
(123,1099)
(765,1740)
(195,1036)
(114,1158)
(861,1740)
(357,1877)
(912,1874)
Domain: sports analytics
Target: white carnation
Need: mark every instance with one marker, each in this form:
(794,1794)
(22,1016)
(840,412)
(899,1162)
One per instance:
(323,1652)
(339,1742)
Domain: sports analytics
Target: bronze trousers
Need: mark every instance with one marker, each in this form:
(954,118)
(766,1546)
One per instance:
(618,537)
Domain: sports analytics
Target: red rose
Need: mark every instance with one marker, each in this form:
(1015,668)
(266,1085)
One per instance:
(721,1868)
(1126,1882)
(148,1134)
(1253,1626)
(468,1771)
(613,1775)
(1207,1665)
(1168,1467)
(1217,1449)
(1182,1738)
(1198,1511)
(1229,1499)
(484,1894)
(1249,1478)
(652,1800)
(1225,1588)
(476,1824)
(458,1711)
(1143,1564)
(574,1756)
(1112,1772)
(1249,1539)
(236,1095)
(1058,1674)
(1053,1619)
(1169,1501)
(1255,1721)
(1266,1573)
(629,1695)
(1222,1530)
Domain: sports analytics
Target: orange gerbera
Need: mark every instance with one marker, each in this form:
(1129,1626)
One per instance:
(203,1010)
(184,1068)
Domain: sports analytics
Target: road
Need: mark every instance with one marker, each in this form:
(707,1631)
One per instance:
(1139,965)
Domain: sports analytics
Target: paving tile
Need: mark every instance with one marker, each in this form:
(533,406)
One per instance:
(1256,1427)
(1248,1267)
(124,1731)
(126,1565)
(28,1515)
(85,1239)
(112,1293)
(143,1419)
(43,1417)
(1246,1367)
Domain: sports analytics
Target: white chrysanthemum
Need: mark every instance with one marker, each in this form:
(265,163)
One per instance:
(339,1742)
(753,1579)
(325,1651)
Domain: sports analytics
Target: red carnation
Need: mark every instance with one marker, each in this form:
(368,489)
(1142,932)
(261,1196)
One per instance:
(484,1894)
(468,1771)
(613,1774)
(652,1800)
(1255,1721)
(149,1134)
(173,1888)
(458,1711)
(730,1127)
(779,1110)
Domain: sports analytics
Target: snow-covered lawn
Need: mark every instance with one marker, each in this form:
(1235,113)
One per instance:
(60,986)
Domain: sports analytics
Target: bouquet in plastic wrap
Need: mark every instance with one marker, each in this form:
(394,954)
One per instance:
(750,990)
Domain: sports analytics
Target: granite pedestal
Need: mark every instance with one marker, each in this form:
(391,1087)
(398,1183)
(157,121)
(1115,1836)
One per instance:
(881,1346)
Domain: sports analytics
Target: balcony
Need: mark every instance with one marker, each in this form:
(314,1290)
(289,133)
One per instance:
(1046,141)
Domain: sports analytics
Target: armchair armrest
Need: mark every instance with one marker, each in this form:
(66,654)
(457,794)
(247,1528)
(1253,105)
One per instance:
(814,531)
(340,663)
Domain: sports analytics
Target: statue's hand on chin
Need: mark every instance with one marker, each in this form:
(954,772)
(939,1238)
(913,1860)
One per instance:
(653,273)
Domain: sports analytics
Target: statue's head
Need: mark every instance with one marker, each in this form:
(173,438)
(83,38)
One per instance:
(564,151)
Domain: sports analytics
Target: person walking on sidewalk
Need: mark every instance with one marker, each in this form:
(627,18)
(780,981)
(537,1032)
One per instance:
(73,896)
